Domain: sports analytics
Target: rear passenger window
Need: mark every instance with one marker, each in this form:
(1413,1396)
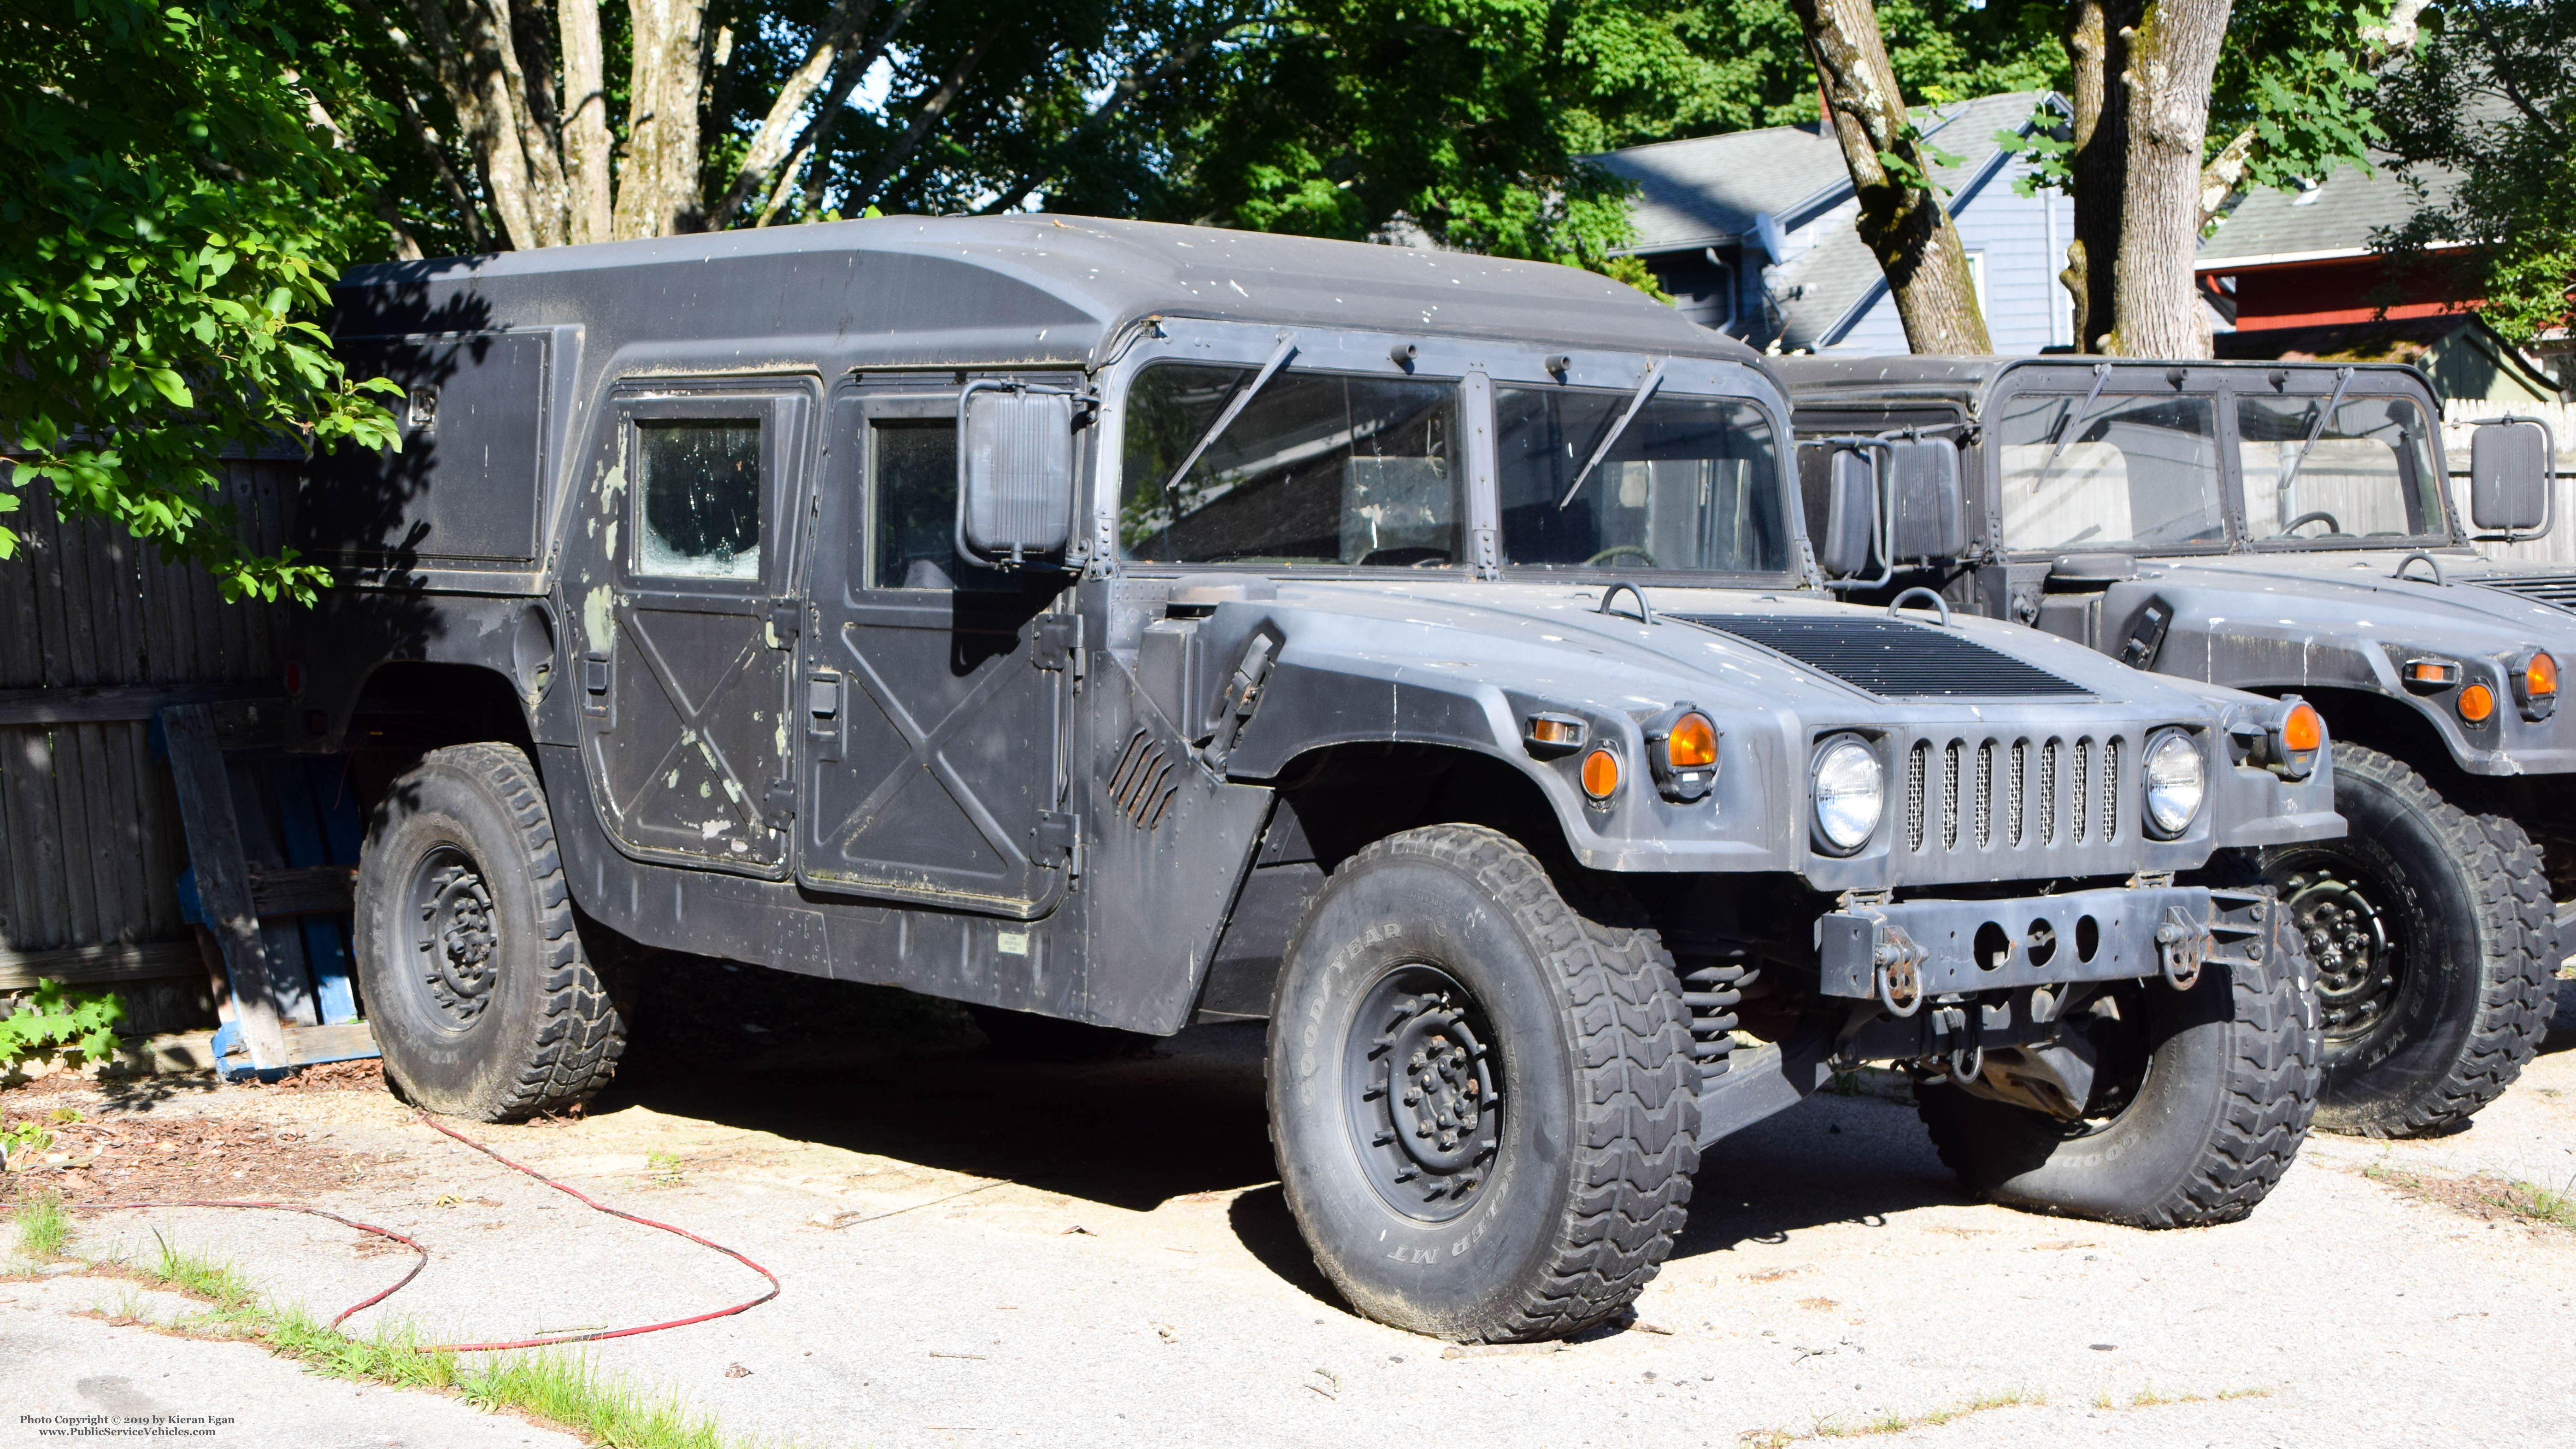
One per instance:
(700,482)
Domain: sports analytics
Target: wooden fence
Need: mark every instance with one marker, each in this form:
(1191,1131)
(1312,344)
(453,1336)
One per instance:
(96,634)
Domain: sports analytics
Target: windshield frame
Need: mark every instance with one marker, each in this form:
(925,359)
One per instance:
(1476,366)
(2223,383)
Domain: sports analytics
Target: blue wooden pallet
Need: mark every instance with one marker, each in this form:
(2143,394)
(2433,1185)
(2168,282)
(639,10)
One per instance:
(273,844)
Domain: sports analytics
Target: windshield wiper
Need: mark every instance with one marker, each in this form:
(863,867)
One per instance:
(1234,409)
(2067,427)
(1645,390)
(2316,430)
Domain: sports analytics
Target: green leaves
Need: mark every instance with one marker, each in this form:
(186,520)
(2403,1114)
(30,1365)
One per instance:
(171,221)
(55,1019)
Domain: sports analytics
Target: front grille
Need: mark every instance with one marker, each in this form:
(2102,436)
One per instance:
(1893,658)
(2002,793)
(2559,589)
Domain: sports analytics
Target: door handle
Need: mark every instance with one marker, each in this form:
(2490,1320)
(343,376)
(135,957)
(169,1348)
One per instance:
(823,695)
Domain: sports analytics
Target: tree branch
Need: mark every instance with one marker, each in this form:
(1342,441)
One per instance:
(927,118)
(1167,62)
(772,140)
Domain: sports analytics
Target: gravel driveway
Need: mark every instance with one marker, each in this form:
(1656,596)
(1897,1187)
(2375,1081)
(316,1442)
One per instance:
(983,1252)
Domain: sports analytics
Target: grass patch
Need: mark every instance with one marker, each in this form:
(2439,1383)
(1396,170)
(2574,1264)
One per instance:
(43,1227)
(1897,1423)
(563,1389)
(2486,1196)
(665,1169)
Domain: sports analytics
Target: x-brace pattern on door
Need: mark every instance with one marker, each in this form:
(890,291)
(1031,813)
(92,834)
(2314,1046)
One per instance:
(740,797)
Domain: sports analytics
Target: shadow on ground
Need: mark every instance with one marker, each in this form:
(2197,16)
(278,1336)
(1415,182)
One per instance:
(884,1072)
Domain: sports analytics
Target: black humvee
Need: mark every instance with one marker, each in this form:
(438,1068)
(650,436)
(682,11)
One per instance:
(1135,625)
(2286,527)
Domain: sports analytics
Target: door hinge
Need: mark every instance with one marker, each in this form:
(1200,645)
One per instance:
(786,621)
(778,807)
(1059,640)
(1063,830)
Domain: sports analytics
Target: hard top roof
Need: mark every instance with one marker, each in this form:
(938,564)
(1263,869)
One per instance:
(1968,378)
(1038,289)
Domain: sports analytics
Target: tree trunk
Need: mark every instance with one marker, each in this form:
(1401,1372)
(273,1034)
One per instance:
(769,145)
(587,148)
(2097,47)
(1901,218)
(657,189)
(2173,55)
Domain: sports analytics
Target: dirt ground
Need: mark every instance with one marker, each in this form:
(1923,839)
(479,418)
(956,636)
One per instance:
(982,1251)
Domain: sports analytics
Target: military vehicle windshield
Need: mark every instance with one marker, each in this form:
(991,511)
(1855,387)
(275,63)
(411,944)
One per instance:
(2127,472)
(1318,469)
(2368,475)
(1692,483)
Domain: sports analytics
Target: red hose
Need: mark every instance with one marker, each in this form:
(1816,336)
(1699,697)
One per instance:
(423,1260)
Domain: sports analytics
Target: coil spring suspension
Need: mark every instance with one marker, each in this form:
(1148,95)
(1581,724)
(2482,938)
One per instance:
(1712,990)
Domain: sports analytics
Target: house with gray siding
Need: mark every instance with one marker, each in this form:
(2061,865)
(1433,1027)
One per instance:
(1751,232)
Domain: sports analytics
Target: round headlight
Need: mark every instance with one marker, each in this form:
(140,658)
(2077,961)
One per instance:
(2176,782)
(1851,791)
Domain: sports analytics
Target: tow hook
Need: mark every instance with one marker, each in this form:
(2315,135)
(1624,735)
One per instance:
(1968,1061)
(1900,985)
(2183,947)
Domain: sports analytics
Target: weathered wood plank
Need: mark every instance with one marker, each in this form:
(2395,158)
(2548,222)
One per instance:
(36,883)
(76,790)
(96,965)
(304,890)
(108,703)
(290,975)
(116,832)
(223,884)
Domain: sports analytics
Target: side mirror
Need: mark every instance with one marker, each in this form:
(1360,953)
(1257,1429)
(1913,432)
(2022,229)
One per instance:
(1851,509)
(2510,463)
(1014,473)
(1928,515)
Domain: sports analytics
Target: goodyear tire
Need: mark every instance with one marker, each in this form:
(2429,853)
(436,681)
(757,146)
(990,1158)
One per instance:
(2201,1103)
(483,1000)
(2432,933)
(1484,1105)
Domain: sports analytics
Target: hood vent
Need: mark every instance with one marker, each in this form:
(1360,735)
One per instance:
(2559,589)
(1893,658)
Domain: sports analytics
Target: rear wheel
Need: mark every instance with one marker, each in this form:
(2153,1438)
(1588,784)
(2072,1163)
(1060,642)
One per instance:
(1484,1105)
(483,1001)
(2199,1102)
(2431,930)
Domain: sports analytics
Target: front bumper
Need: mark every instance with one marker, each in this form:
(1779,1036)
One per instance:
(1905,951)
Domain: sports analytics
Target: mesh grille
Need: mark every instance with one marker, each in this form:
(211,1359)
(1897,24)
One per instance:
(1915,760)
(2020,772)
(2111,789)
(2078,803)
(1950,794)
(1985,794)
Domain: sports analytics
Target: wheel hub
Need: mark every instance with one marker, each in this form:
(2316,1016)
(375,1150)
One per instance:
(1424,1102)
(458,937)
(2350,945)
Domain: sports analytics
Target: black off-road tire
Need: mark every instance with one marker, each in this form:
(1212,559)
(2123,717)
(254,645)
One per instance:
(2229,1088)
(2462,896)
(484,1003)
(1579,1191)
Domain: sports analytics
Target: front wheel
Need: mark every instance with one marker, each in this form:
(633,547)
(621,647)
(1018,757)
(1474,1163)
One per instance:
(2199,1103)
(2431,929)
(1484,1105)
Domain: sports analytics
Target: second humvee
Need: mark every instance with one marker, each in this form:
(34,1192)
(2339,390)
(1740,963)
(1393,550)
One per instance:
(2286,527)
(1133,625)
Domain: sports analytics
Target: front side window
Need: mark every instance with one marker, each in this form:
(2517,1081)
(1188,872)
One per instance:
(1316,469)
(1691,483)
(700,485)
(2368,475)
(913,514)
(2126,472)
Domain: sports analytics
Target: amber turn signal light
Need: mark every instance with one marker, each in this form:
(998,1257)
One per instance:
(2432,673)
(2477,704)
(2535,685)
(1693,743)
(1600,774)
(2304,729)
